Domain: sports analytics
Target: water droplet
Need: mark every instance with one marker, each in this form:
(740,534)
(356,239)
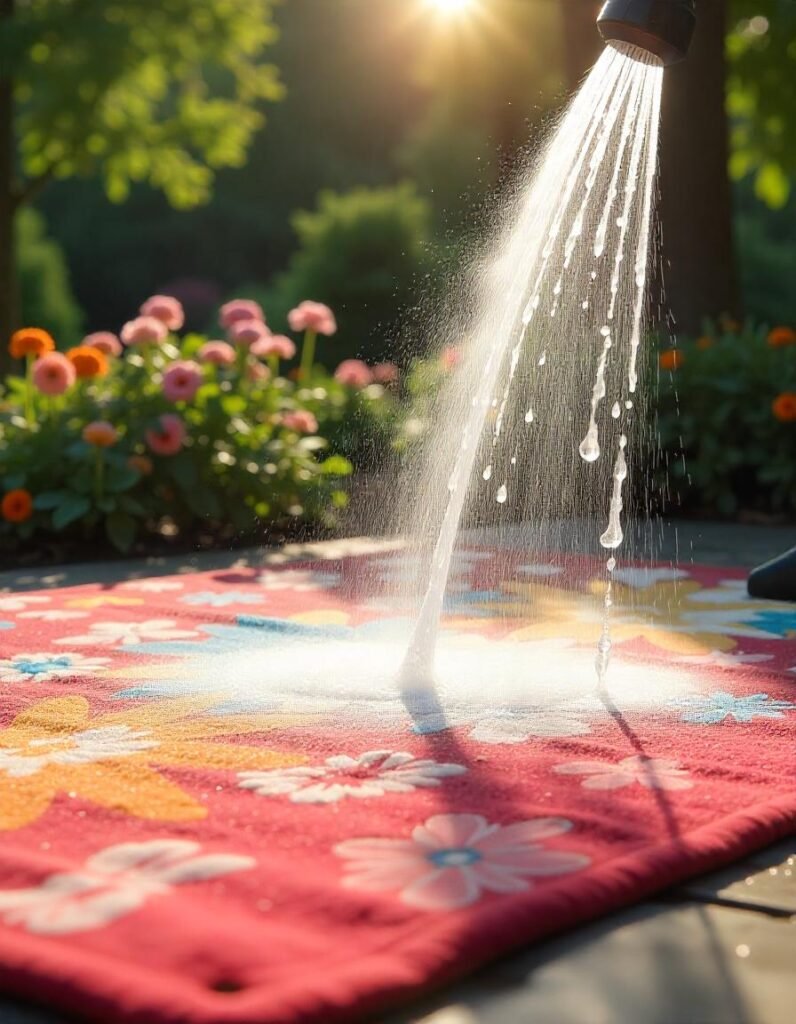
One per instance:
(584,304)
(529,416)
(742,951)
(628,404)
(594,275)
(487,473)
(502,494)
(610,565)
(514,460)
(590,445)
(542,359)
(494,403)
(616,410)
(605,331)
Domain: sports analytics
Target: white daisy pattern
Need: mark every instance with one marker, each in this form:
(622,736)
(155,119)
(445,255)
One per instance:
(153,586)
(127,634)
(649,772)
(42,668)
(112,883)
(53,615)
(451,860)
(374,773)
(301,580)
(19,602)
(105,743)
(518,724)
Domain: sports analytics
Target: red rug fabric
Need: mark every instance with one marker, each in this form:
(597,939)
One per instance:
(197,827)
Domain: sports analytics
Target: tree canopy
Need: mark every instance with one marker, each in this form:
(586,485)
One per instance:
(761,94)
(164,93)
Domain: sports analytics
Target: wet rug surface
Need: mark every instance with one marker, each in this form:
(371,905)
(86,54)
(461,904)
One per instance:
(217,806)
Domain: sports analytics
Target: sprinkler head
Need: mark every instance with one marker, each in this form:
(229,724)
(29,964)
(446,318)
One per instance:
(661,27)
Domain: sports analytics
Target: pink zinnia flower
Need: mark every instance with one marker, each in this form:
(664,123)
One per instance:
(312,316)
(257,372)
(274,345)
(240,309)
(105,342)
(166,309)
(100,433)
(385,373)
(144,330)
(181,380)
(53,374)
(169,436)
(247,332)
(217,352)
(450,357)
(302,421)
(453,859)
(354,373)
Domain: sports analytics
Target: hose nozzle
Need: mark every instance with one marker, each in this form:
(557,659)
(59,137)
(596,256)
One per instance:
(661,27)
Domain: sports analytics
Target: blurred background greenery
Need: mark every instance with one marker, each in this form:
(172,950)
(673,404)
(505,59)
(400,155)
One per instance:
(344,150)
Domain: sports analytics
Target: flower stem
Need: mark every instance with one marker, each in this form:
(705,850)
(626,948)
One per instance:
(308,354)
(99,474)
(273,366)
(29,413)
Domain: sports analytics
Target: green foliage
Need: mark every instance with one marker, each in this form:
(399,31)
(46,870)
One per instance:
(764,240)
(761,95)
(165,93)
(242,467)
(717,410)
(44,281)
(366,253)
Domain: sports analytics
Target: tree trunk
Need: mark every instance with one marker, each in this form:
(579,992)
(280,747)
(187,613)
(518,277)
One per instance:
(696,201)
(9,291)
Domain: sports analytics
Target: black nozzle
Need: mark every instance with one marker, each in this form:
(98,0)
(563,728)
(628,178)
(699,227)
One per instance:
(661,27)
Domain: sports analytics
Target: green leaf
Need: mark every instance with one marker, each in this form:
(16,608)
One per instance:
(50,499)
(121,478)
(336,465)
(73,507)
(121,529)
(11,483)
(772,185)
(183,471)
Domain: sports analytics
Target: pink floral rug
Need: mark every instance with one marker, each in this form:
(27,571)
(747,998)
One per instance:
(216,806)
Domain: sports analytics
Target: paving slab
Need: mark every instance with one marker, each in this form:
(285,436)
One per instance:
(764,881)
(653,964)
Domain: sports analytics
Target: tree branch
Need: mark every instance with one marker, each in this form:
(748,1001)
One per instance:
(28,190)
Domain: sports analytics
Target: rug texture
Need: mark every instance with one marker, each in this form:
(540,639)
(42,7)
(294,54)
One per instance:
(196,828)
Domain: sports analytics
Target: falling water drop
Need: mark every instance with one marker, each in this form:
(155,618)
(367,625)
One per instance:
(594,275)
(605,330)
(616,410)
(514,460)
(542,359)
(584,304)
(529,416)
(614,536)
(502,494)
(487,474)
(610,565)
(628,404)
(590,445)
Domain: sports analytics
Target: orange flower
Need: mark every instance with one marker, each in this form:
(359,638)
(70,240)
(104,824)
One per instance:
(30,341)
(704,342)
(784,407)
(17,506)
(141,463)
(780,336)
(88,361)
(100,433)
(671,359)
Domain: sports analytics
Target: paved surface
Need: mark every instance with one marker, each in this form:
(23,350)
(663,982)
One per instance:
(718,950)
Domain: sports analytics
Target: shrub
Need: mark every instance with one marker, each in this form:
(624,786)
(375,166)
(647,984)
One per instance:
(166,436)
(728,405)
(46,294)
(366,253)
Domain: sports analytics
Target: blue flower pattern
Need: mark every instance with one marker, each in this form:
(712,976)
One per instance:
(711,709)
